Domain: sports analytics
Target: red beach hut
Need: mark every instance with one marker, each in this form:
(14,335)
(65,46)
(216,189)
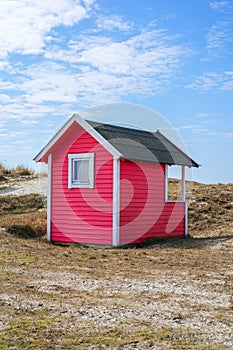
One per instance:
(107,184)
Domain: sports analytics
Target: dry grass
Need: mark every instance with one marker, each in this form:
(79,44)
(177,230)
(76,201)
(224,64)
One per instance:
(173,295)
(23,216)
(19,170)
(211,210)
(20,204)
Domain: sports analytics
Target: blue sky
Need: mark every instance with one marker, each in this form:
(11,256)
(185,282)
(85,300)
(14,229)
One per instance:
(174,57)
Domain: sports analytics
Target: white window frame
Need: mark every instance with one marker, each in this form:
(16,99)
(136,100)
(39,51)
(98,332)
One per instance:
(79,157)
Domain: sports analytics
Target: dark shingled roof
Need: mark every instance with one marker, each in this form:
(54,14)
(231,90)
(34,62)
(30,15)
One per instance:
(143,145)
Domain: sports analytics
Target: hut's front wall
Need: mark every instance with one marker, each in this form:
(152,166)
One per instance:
(81,214)
(144,213)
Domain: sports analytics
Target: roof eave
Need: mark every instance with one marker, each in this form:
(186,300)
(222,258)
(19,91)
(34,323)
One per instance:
(157,162)
(86,126)
(193,163)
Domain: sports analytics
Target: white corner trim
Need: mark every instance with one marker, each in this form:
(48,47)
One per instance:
(49,197)
(116,202)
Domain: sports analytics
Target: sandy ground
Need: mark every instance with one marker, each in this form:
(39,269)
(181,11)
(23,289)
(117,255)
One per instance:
(170,296)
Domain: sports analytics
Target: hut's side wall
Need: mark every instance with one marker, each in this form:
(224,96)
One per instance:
(144,213)
(81,215)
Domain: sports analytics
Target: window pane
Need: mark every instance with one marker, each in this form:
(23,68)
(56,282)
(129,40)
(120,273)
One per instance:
(81,170)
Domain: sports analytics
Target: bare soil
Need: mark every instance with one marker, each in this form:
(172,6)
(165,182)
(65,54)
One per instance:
(172,294)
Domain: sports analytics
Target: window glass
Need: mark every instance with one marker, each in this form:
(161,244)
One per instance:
(81,170)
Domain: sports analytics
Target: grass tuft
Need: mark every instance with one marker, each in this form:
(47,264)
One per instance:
(23,216)
(26,231)
(19,170)
(20,204)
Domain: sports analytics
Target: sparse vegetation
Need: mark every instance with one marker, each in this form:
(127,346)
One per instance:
(20,204)
(19,170)
(34,221)
(211,210)
(23,216)
(174,294)
(3,170)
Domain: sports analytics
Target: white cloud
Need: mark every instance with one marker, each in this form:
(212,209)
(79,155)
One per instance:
(194,128)
(4,64)
(150,52)
(6,85)
(30,122)
(4,98)
(49,82)
(202,114)
(19,133)
(208,122)
(219,37)
(91,70)
(208,133)
(113,22)
(213,82)
(220,5)
(25,24)
(142,64)
(18,110)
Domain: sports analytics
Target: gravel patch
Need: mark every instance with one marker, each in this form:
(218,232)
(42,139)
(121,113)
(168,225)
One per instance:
(24,187)
(171,295)
(121,301)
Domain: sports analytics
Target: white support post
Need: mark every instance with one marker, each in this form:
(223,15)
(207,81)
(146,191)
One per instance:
(183,184)
(183,197)
(49,195)
(166,183)
(116,202)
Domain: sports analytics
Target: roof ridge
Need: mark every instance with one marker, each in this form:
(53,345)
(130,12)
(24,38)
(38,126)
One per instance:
(118,126)
(108,130)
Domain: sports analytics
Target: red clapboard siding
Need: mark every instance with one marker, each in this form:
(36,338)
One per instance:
(81,215)
(144,214)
